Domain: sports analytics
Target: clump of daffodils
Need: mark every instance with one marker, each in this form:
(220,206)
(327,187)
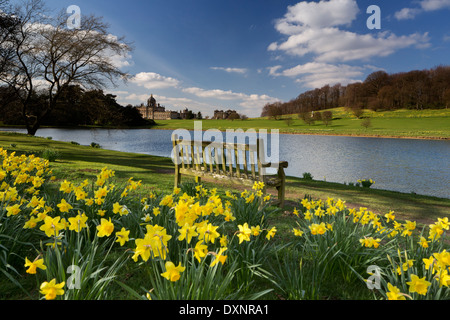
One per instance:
(411,276)
(177,232)
(204,223)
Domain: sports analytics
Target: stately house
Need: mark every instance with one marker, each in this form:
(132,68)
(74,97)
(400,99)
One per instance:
(220,114)
(155,111)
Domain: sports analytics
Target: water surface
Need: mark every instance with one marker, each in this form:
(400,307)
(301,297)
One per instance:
(405,165)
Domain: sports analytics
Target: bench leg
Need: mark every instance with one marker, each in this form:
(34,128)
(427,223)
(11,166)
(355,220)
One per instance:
(198,180)
(177,178)
(281,194)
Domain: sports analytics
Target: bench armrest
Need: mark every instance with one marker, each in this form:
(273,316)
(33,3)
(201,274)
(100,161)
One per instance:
(281,164)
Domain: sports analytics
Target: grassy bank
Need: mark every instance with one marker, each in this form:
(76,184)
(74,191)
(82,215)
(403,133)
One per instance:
(129,233)
(423,124)
(77,163)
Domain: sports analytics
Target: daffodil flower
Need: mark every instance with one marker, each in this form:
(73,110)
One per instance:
(173,272)
(51,289)
(32,266)
(122,236)
(419,285)
(105,228)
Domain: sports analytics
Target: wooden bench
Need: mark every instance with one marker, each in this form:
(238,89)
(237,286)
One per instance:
(234,162)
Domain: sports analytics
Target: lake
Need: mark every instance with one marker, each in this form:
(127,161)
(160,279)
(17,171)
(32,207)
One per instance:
(405,165)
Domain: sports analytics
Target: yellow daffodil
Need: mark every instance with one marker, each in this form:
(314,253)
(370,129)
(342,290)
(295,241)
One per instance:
(258,185)
(219,257)
(187,232)
(172,272)
(390,216)
(66,187)
(51,289)
(64,206)
(443,277)
(394,293)
(297,232)
(223,241)
(423,242)
(444,223)
(176,190)
(419,285)
(200,250)
(271,233)
(318,228)
(32,266)
(122,236)
(435,232)
(105,228)
(31,223)
(12,210)
(431,261)
(52,226)
(443,258)
(78,223)
(255,231)
(250,198)
(244,233)
(167,201)
(208,232)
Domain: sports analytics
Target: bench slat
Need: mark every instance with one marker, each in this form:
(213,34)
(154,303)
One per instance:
(245,166)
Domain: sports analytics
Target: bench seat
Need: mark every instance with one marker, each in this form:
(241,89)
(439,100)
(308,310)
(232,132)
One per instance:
(231,162)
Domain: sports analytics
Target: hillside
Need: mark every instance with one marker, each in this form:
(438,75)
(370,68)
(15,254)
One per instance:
(413,90)
(424,124)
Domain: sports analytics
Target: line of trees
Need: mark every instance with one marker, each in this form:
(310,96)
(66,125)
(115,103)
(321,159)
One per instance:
(75,107)
(417,89)
(43,61)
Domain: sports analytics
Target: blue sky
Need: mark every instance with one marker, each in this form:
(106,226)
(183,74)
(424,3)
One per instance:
(216,54)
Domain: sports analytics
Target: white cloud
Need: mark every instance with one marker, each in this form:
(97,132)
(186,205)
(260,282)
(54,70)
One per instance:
(206,102)
(432,5)
(425,6)
(317,15)
(231,70)
(407,13)
(151,80)
(273,71)
(317,30)
(252,104)
(214,93)
(318,74)
(136,98)
(314,28)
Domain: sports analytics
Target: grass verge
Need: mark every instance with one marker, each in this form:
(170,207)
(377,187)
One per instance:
(332,245)
(77,163)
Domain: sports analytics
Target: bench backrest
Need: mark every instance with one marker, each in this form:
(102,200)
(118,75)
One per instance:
(224,158)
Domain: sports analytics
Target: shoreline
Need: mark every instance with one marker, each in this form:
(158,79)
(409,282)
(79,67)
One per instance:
(315,183)
(280,132)
(335,134)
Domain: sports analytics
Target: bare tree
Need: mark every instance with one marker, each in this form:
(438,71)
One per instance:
(52,57)
(327,117)
(7,26)
(366,123)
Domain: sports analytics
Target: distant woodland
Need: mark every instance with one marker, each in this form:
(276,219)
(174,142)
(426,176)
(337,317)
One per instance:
(75,107)
(418,89)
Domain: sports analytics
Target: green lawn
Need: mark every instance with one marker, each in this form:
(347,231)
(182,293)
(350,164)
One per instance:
(77,163)
(400,123)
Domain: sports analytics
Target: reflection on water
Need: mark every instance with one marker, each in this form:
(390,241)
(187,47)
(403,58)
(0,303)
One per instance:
(405,165)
